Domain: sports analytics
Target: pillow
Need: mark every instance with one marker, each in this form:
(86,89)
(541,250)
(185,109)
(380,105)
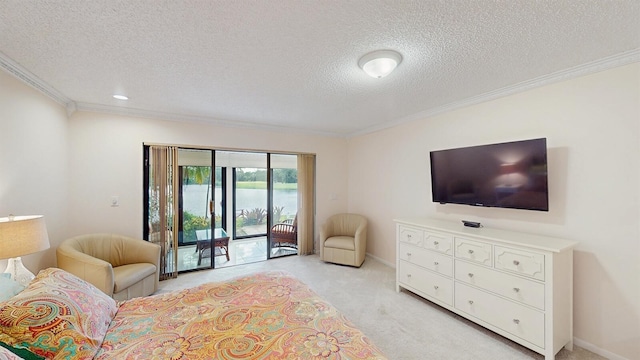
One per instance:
(8,287)
(58,316)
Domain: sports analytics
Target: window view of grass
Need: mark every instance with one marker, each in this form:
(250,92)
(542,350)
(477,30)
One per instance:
(263,185)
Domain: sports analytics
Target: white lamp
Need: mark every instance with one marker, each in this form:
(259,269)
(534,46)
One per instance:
(381,63)
(19,236)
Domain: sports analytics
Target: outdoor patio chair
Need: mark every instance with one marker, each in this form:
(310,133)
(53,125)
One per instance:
(285,234)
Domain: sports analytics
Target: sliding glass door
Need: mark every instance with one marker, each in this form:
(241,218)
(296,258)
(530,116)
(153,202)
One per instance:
(224,208)
(283,234)
(195,212)
(249,193)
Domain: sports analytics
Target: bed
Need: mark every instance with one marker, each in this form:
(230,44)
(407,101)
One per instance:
(262,316)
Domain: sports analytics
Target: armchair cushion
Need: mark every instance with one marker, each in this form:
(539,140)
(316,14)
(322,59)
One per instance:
(341,242)
(127,275)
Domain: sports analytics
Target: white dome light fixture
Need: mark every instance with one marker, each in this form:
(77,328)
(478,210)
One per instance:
(380,63)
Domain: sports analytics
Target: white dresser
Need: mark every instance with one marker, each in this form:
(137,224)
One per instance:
(515,284)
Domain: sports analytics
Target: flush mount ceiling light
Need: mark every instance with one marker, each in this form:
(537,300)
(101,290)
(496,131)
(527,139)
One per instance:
(380,63)
(120,97)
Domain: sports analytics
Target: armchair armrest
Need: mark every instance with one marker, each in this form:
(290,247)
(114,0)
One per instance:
(141,251)
(361,236)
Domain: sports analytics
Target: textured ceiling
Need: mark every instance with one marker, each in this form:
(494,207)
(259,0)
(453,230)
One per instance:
(293,63)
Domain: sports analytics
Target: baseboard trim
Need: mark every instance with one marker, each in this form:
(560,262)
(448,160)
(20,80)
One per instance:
(382,261)
(596,350)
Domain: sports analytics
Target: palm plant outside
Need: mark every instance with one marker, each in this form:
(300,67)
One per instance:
(200,175)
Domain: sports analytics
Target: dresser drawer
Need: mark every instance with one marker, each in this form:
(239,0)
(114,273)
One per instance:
(438,242)
(515,288)
(523,322)
(411,235)
(520,262)
(472,250)
(434,285)
(439,263)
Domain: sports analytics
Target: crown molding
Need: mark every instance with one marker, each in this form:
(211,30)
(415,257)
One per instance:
(32,80)
(159,115)
(71,106)
(607,63)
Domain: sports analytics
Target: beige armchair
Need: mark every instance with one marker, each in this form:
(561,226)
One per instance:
(343,239)
(120,266)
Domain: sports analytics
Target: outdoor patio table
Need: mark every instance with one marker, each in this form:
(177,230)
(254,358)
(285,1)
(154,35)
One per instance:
(219,241)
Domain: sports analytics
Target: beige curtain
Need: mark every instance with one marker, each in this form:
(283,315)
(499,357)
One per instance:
(306,203)
(163,173)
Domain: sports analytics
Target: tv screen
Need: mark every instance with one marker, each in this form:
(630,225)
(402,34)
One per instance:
(506,175)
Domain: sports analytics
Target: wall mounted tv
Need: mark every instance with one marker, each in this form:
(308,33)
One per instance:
(506,175)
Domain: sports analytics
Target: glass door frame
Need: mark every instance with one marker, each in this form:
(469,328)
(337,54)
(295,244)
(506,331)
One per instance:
(234,193)
(269,205)
(210,206)
(271,190)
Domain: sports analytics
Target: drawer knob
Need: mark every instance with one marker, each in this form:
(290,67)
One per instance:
(470,302)
(436,243)
(435,263)
(470,251)
(435,287)
(516,321)
(408,254)
(516,289)
(470,275)
(408,275)
(409,236)
(516,262)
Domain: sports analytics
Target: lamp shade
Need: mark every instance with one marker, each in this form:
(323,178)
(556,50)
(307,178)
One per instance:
(22,235)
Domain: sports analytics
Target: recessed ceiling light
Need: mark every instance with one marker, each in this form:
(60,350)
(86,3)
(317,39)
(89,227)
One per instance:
(381,63)
(120,97)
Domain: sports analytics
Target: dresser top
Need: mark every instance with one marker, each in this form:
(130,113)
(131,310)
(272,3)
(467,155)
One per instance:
(491,234)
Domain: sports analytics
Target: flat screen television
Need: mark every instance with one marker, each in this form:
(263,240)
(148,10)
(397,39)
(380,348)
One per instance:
(506,175)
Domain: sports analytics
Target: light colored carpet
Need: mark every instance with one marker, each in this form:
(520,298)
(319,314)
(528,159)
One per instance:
(403,325)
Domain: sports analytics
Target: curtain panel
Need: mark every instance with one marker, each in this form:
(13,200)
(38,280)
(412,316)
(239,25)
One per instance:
(163,202)
(306,203)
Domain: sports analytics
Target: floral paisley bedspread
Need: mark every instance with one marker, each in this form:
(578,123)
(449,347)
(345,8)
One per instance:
(264,316)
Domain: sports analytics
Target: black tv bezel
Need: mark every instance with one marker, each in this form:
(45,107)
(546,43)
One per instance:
(433,188)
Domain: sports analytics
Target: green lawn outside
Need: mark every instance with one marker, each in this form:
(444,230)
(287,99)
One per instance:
(263,185)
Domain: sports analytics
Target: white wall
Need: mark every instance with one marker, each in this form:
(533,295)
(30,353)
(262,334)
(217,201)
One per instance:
(33,162)
(592,126)
(105,153)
